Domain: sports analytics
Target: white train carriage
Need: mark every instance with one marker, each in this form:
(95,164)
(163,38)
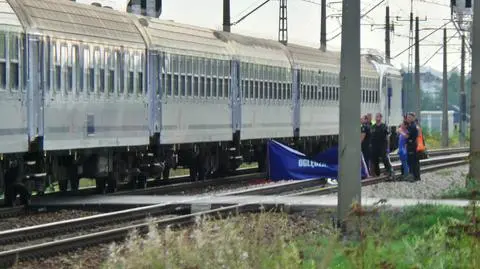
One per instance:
(319,89)
(13,107)
(194,90)
(390,85)
(265,80)
(91,88)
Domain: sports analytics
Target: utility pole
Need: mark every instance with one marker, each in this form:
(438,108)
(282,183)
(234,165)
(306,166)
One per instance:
(283,23)
(349,187)
(323,26)
(226,16)
(417,71)
(462,99)
(387,34)
(475,100)
(445,92)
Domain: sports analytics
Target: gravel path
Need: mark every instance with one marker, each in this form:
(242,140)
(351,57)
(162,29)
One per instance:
(432,185)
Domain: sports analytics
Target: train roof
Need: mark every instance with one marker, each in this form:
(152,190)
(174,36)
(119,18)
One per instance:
(310,58)
(256,50)
(182,38)
(73,21)
(9,20)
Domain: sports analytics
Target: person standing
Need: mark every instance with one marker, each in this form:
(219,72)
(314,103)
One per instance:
(365,140)
(379,143)
(413,161)
(402,146)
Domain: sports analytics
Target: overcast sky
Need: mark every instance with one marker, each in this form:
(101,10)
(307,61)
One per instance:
(304,23)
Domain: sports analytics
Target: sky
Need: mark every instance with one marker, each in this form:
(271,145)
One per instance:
(304,24)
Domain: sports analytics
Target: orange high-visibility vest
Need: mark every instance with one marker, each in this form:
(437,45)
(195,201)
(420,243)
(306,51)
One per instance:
(420,144)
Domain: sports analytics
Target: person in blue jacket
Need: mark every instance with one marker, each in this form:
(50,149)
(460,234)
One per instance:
(402,147)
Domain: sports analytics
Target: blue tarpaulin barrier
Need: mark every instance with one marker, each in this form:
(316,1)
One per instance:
(287,163)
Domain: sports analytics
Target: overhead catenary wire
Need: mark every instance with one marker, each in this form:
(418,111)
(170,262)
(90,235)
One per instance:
(423,38)
(438,50)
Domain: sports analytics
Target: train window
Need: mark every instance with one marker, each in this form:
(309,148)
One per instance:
(189,85)
(3,61)
(208,87)
(121,71)
(250,88)
(70,63)
(14,62)
(220,87)
(181,64)
(202,86)
(244,87)
(175,85)
(86,66)
(113,70)
(168,84)
(227,87)
(289,91)
(174,63)
(214,87)
(201,66)
(139,66)
(97,61)
(183,85)
(208,67)
(56,67)
(195,86)
(254,91)
(188,64)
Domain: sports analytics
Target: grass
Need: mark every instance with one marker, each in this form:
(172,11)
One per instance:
(415,237)
(433,140)
(464,192)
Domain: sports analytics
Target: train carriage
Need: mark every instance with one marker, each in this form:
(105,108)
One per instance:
(13,107)
(265,84)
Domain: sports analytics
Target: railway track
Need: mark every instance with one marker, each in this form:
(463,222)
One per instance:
(183,181)
(13,237)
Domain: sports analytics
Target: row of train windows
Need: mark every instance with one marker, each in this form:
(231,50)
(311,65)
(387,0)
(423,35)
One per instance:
(183,64)
(67,67)
(195,86)
(331,93)
(10,45)
(266,90)
(264,72)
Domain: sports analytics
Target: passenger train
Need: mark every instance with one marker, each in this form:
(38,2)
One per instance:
(89,92)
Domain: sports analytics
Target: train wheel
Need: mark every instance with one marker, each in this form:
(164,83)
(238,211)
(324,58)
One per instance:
(100,185)
(141,181)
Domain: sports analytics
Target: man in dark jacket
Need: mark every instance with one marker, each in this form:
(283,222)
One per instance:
(379,143)
(365,138)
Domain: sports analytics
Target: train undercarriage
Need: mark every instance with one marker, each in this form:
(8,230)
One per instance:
(38,171)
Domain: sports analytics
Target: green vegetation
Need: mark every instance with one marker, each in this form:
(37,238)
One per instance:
(433,140)
(469,191)
(415,237)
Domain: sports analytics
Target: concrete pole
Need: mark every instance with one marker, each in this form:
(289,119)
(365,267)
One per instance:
(349,187)
(387,34)
(445,92)
(462,97)
(417,71)
(323,26)
(475,100)
(226,15)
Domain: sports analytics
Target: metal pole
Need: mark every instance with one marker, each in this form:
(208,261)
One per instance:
(417,71)
(349,187)
(226,16)
(462,97)
(151,8)
(387,34)
(445,93)
(136,7)
(475,100)
(323,27)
